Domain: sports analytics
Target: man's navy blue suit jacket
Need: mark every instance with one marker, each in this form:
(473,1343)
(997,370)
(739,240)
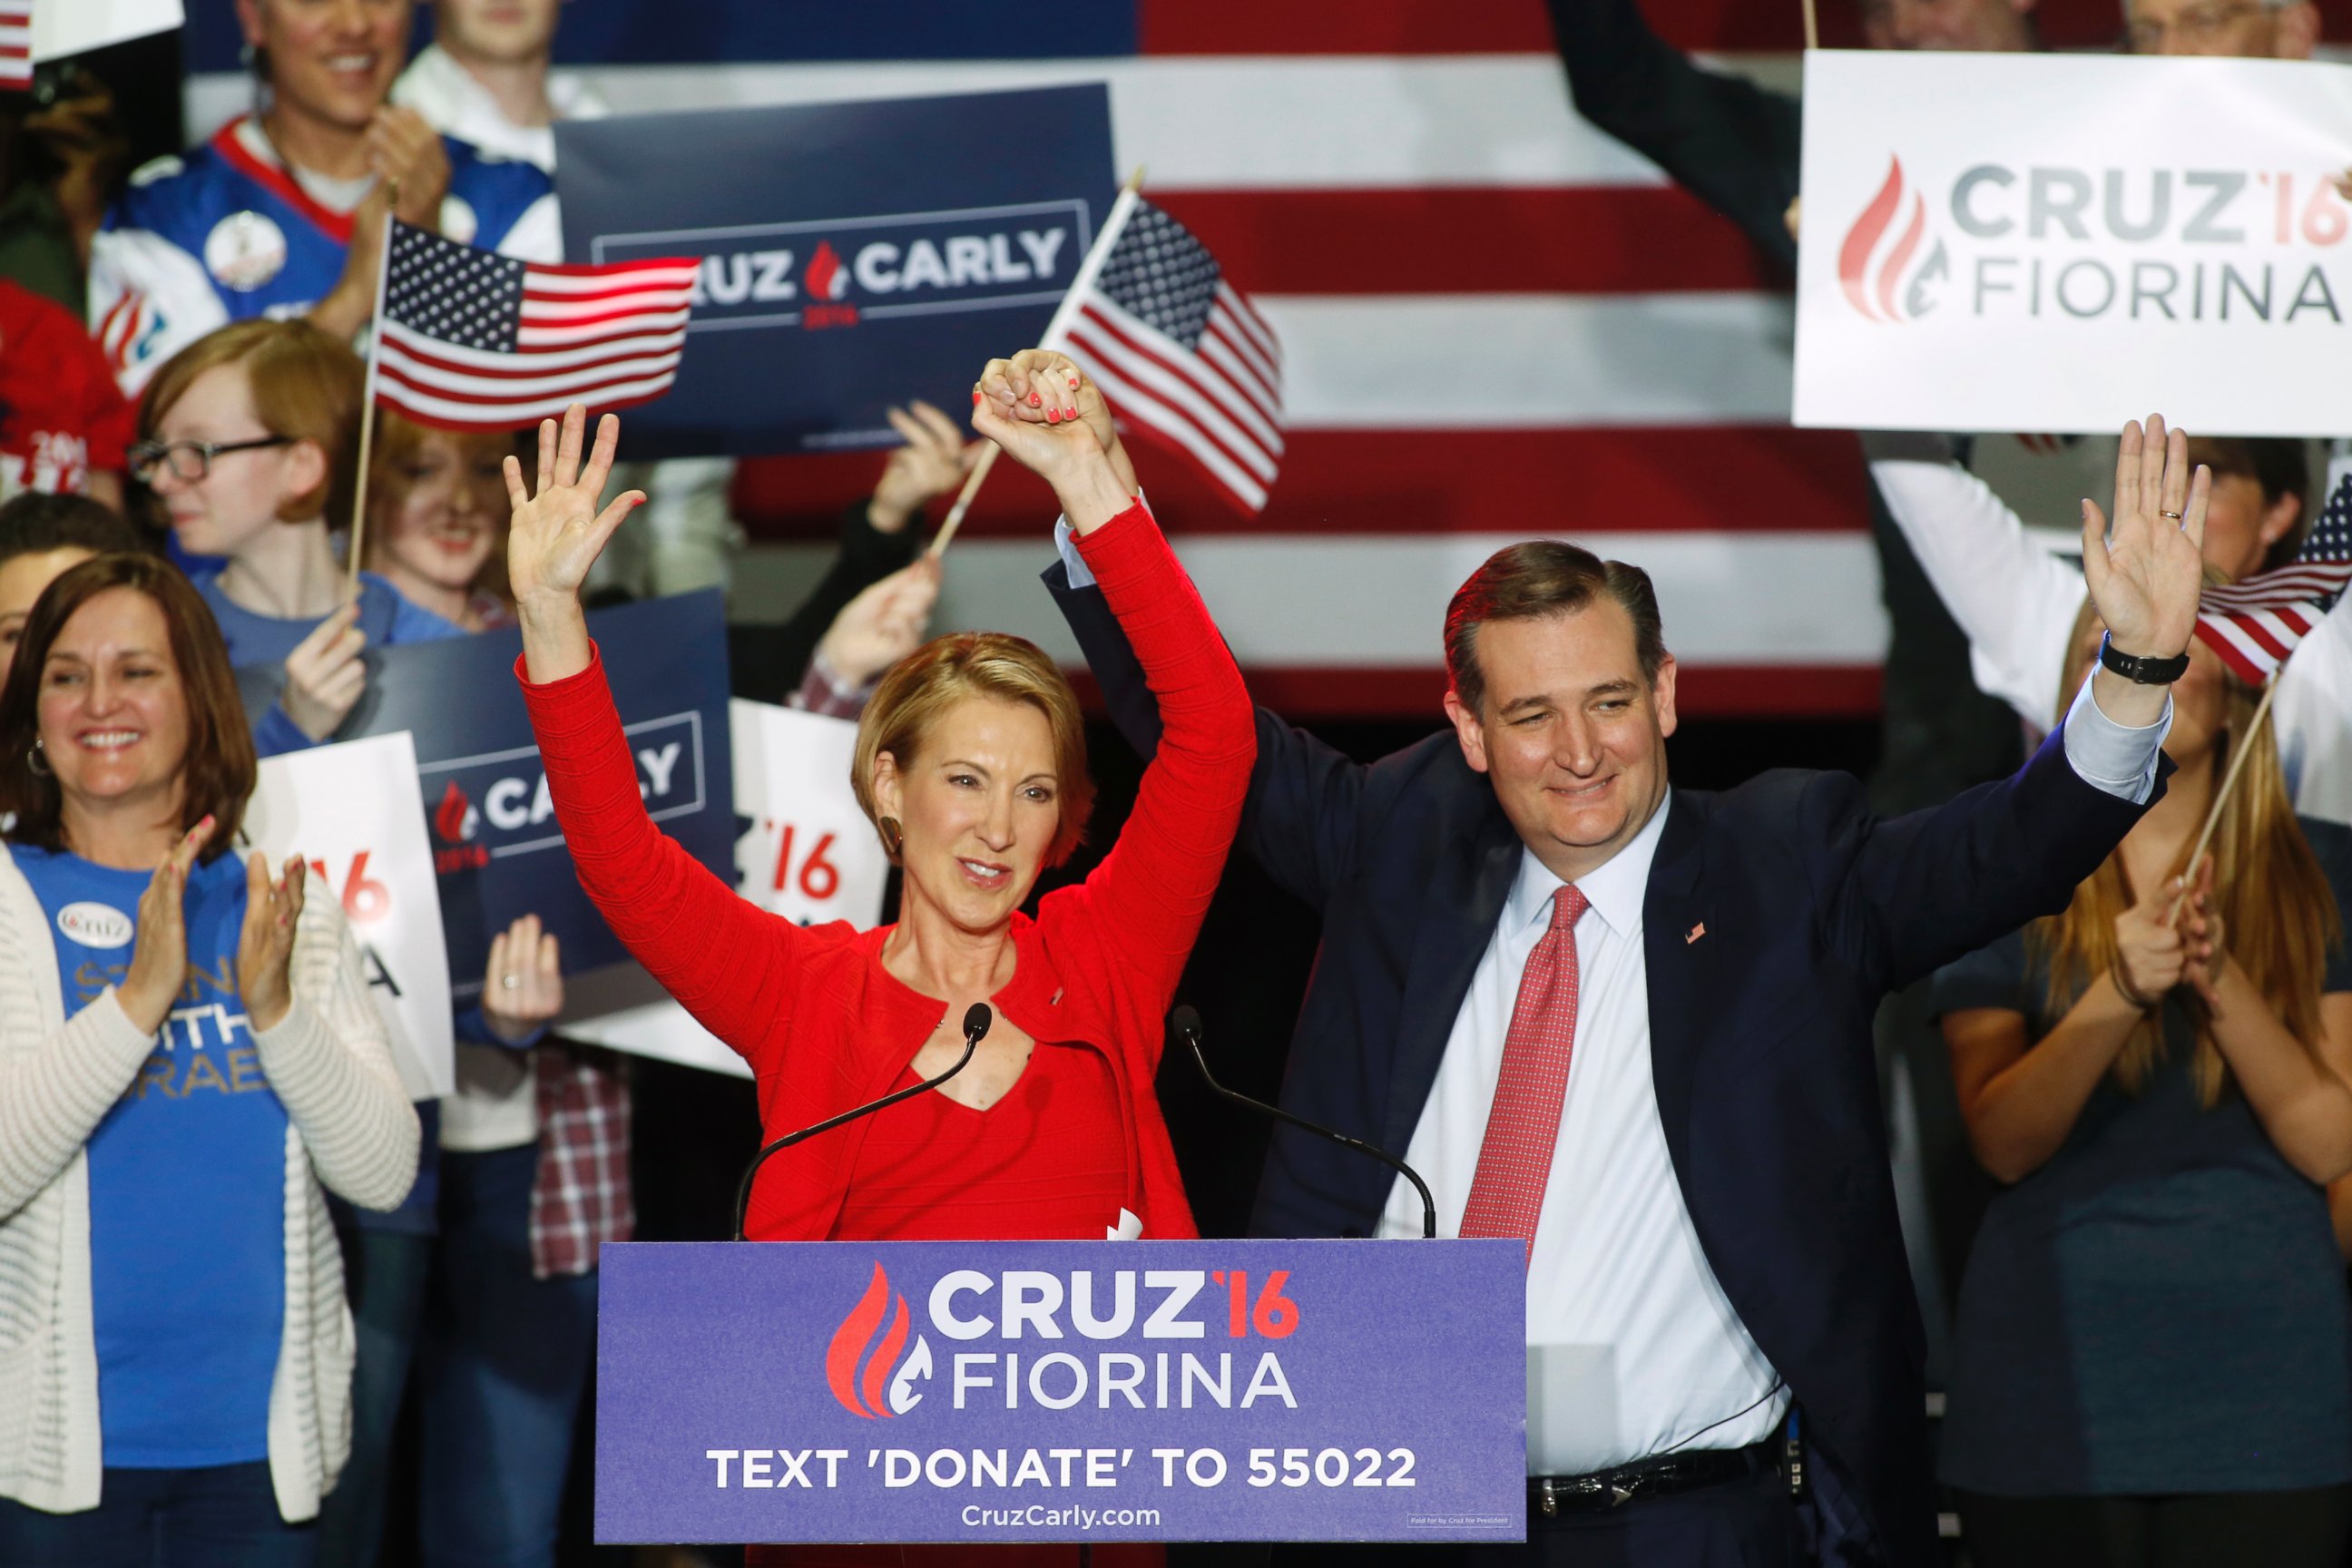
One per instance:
(1813,910)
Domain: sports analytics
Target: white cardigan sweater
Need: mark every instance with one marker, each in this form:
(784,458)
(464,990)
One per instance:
(349,1125)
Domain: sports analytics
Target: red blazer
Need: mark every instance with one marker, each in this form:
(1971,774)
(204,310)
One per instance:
(822,1025)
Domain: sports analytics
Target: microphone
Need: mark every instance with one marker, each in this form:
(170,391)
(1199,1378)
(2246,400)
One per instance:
(976,1021)
(1187,1024)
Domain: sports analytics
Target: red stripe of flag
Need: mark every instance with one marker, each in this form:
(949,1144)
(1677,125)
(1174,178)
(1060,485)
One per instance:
(1486,239)
(1193,373)
(1393,483)
(1108,367)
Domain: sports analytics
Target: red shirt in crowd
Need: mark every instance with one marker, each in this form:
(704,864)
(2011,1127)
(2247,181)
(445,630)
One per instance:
(826,1027)
(61,415)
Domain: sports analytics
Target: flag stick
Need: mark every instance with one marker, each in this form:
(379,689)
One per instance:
(357,545)
(1088,271)
(1813,26)
(2243,750)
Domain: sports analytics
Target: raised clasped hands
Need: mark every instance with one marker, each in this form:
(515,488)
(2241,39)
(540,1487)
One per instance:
(1050,418)
(2147,569)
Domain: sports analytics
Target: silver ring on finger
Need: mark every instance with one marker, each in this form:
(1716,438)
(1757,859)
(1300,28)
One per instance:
(509,981)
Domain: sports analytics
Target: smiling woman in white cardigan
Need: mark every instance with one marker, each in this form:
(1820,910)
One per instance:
(187,1051)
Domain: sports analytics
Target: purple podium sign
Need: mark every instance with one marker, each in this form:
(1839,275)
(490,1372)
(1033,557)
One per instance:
(1061,1391)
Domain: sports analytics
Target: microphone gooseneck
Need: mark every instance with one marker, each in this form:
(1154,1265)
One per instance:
(1187,1024)
(977,1019)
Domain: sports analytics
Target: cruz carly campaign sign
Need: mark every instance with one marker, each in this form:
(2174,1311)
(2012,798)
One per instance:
(353,811)
(497,850)
(2061,243)
(978,1391)
(853,256)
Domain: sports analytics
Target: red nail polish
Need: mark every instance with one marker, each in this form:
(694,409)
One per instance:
(1069,414)
(1036,401)
(976,396)
(1053,416)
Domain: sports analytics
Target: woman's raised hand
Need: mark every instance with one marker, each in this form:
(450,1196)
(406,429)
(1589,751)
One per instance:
(558,529)
(1048,416)
(159,953)
(265,946)
(2146,572)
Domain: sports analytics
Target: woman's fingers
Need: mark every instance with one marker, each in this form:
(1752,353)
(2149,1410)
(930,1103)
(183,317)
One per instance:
(549,437)
(572,438)
(600,458)
(518,497)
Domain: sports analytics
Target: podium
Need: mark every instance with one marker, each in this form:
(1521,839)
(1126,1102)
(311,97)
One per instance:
(1086,1391)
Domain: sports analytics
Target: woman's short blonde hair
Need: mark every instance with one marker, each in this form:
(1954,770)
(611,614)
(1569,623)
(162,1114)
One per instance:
(305,385)
(947,671)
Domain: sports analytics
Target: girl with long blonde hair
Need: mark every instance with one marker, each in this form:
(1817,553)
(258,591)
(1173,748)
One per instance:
(2150,1359)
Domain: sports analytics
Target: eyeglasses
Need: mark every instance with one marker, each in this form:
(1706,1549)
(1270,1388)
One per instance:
(191,460)
(2196,27)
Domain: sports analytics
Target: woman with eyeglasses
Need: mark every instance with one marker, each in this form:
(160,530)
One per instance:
(247,438)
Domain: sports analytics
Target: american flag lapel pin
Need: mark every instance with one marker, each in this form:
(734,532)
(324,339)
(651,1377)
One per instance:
(1695,932)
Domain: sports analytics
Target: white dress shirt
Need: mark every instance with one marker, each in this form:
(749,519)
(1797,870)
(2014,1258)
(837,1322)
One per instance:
(1632,1347)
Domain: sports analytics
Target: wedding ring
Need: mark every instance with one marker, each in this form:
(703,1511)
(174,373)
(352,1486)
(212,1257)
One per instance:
(508,981)
(2173,515)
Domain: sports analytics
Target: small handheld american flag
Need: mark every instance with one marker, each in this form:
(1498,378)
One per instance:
(2254,624)
(474,341)
(15,45)
(1181,356)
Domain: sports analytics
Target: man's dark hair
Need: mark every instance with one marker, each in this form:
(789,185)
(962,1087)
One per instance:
(219,768)
(1535,581)
(2280,464)
(35,523)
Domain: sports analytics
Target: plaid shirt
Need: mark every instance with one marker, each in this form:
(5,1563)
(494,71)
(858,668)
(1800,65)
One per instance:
(824,691)
(581,1197)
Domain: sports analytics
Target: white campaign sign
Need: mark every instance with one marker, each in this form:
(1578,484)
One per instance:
(2062,242)
(809,855)
(63,28)
(354,812)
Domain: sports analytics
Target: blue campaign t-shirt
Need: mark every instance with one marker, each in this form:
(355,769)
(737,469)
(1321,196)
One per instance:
(187,1182)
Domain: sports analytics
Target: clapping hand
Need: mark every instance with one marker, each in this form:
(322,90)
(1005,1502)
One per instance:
(159,957)
(523,984)
(2149,956)
(2204,953)
(265,946)
(2146,572)
(1051,418)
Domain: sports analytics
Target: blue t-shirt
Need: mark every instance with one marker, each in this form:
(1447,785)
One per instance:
(2159,1308)
(187,1182)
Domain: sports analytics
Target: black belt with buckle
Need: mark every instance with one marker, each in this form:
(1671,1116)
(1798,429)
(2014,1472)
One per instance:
(1659,1477)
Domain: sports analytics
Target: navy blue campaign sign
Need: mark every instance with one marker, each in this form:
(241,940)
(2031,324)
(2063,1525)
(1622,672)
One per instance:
(1061,1391)
(854,255)
(497,850)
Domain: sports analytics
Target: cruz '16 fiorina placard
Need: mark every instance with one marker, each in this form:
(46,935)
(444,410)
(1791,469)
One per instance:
(2060,243)
(975,1391)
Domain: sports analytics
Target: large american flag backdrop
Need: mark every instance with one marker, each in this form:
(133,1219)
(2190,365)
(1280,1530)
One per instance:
(1495,320)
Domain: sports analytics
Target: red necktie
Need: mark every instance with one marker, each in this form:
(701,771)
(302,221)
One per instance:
(1523,1127)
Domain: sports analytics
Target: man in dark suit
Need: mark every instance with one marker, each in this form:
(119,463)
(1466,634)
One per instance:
(1711,1235)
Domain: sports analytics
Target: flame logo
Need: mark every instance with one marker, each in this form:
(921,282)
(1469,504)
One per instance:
(861,1393)
(455,819)
(827,277)
(1872,290)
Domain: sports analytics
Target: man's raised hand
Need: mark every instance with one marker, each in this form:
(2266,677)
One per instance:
(2147,571)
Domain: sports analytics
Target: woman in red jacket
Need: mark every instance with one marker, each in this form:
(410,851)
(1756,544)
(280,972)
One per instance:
(970,760)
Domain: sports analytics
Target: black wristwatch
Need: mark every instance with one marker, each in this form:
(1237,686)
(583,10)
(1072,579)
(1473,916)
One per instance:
(2142,671)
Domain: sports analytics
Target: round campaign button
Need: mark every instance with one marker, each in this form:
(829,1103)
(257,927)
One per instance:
(245,250)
